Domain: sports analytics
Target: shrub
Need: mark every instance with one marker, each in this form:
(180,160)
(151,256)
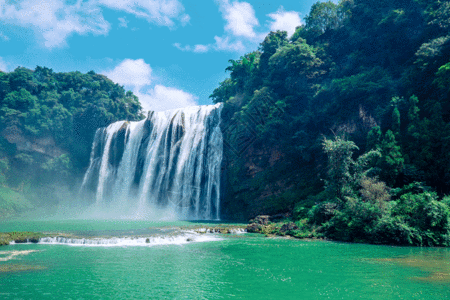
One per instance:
(394,231)
(321,213)
(374,191)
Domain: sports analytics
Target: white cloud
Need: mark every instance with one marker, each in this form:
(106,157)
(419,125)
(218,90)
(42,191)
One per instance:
(185,19)
(201,48)
(161,12)
(240,17)
(221,44)
(239,30)
(164,98)
(197,48)
(130,72)
(123,22)
(55,20)
(136,75)
(179,47)
(3,65)
(285,20)
(224,44)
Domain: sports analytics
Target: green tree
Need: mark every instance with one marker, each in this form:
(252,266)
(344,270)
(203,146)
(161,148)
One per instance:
(269,46)
(374,138)
(391,161)
(323,16)
(293,67)
(343,173)
(396,122)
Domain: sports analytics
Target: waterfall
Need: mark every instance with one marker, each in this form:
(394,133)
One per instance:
(169,161)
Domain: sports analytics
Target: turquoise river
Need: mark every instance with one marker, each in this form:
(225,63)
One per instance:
(155,260)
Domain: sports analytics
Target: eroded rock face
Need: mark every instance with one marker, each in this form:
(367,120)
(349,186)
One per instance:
(44,145)
(256,183)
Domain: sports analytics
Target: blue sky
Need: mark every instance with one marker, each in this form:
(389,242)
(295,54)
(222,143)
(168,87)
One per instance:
(170,53)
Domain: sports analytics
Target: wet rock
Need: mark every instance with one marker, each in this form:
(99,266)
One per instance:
(261,219)
(288,227)
(253,227)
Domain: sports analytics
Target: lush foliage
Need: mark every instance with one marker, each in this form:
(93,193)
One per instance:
(377,74)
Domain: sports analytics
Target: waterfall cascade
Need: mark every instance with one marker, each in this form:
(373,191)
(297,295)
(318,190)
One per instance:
(170,161)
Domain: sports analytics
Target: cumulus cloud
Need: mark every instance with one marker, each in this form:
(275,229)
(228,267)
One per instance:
(239,29)
(136,75)
(55,20)
(162,98)
(240,17)
(284,20)
(130,72)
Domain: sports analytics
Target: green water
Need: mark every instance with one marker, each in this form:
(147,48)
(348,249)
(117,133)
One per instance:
(235,267)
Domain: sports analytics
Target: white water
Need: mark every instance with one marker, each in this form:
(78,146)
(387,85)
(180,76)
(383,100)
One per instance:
(180,239)
(168,164)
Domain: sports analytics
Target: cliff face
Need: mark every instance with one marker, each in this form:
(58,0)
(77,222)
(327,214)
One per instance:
(43,146)
(257,180)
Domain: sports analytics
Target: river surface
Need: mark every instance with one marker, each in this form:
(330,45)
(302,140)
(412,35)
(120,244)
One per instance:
(148,260)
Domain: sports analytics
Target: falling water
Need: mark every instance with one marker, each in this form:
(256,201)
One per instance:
(169,161)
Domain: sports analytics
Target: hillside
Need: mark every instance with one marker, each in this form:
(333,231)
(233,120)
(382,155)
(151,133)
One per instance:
(361,78)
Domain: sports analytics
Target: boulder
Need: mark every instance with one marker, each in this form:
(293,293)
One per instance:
(253,228)
(288,227)
(261,219)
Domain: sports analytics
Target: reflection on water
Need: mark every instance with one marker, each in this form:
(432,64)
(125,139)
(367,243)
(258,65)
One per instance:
(14,255)
(10,268)
(434,261)
(8,255)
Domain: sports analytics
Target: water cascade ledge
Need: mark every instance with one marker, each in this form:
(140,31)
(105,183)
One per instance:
(179,239)
(169,162)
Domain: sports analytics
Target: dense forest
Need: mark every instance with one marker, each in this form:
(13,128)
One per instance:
(48,121)
(345,124)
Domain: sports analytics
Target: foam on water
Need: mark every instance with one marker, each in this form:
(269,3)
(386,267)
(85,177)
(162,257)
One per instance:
(179,239)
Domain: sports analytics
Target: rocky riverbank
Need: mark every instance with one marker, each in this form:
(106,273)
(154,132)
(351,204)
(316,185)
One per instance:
(20,237)
(281,225)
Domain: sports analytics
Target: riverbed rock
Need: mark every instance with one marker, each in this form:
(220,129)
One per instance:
(288,227)
(261,219)
(254,228)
